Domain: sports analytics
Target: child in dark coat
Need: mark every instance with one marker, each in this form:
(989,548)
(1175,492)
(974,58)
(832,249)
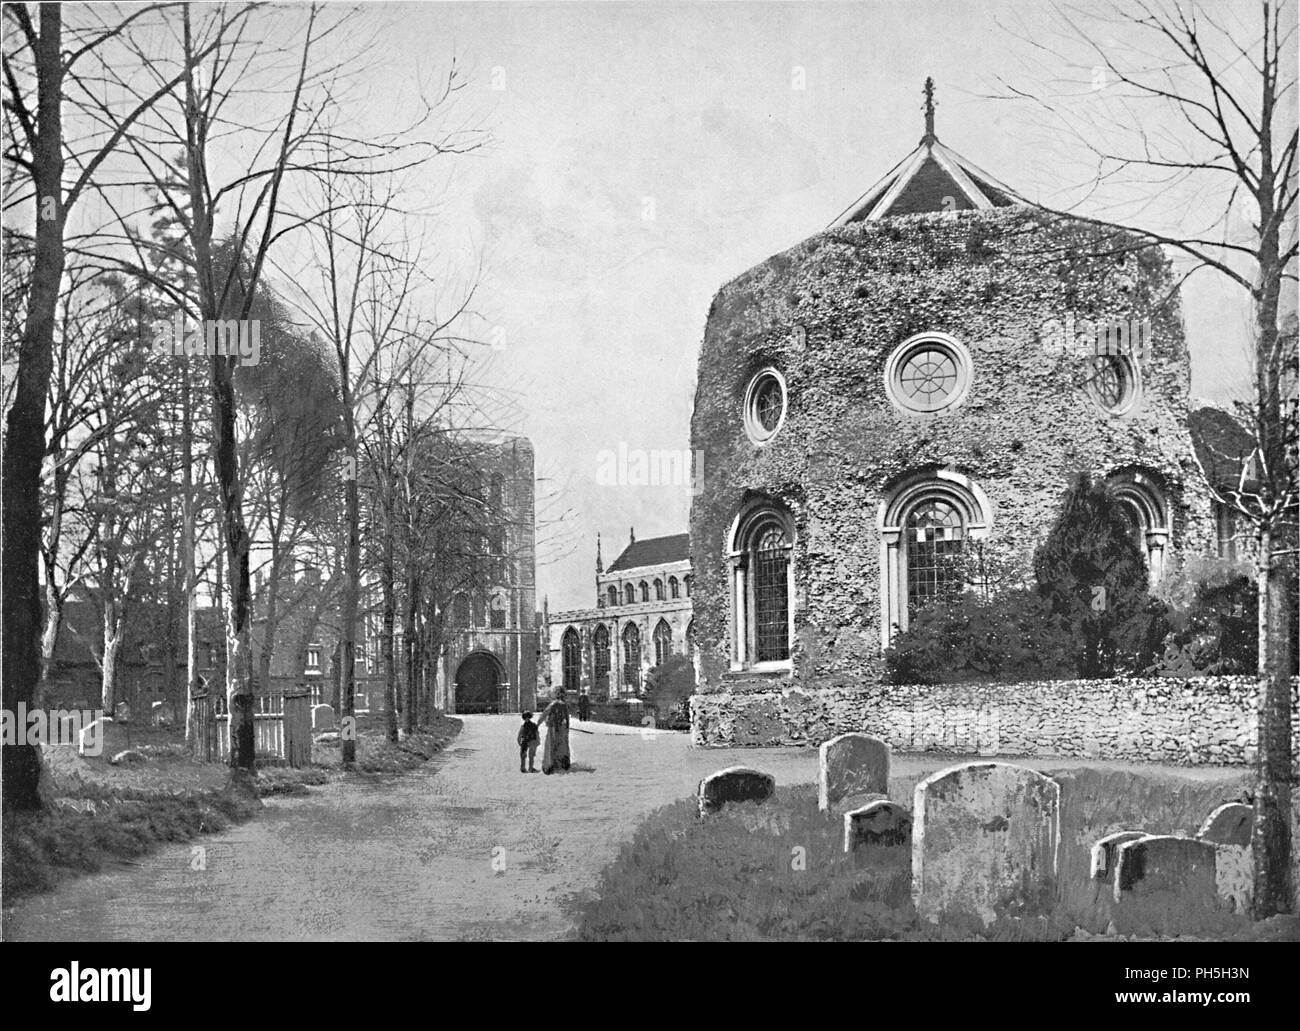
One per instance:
(528,739)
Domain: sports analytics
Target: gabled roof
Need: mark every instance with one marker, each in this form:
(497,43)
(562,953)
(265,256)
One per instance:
(931,178)
(653,551)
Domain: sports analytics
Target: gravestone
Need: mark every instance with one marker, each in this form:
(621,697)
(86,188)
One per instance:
(1228,828)
(1103,853)
(851,764)
(734,784)
(881,822)
(1183,868)
(1229,824)
(322,717)
(985,838)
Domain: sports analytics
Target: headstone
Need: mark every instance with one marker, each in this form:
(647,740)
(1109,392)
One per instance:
(1229,824)
(985,838)
(851,764)
(322,717)
(1103,853)
(877,823)
(127,757)
(1183,867)
(734,784)
(122,712)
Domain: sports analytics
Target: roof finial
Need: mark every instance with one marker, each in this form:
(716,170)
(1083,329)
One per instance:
(929,109)
(631,534)
(600,566)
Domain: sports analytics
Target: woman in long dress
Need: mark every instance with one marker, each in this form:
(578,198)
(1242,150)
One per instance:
(555,752)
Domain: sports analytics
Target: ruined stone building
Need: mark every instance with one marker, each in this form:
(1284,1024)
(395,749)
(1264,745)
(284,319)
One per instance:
(923,378)
(642,616)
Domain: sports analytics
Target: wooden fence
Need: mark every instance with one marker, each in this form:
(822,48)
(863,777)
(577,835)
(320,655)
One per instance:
(281,728)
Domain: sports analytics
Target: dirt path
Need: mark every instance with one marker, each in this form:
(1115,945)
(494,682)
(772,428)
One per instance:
(463,848)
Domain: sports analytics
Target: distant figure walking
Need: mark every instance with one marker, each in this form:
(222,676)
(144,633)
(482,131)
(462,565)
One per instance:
(584,708)
(555,752)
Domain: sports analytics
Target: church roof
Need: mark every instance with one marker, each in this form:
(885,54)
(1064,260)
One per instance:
(931,178)
(653,551)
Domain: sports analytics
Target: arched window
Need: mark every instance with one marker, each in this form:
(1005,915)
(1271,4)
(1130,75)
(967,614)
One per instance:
(629,595)
(935,536)
(612,594)
(1142,500)
(600,665)
(497,495)
(674,588)
(686,582)
(690,638)
(925,524)
(479,616)
(460,610)
(645,591)
(571,659)
(631,657)
(659,590)
(663,639)
(762,542)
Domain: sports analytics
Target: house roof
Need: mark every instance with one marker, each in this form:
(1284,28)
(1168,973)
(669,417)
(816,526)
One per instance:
(931,178)
(653,551)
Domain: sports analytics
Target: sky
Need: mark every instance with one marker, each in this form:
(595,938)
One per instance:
(641,155)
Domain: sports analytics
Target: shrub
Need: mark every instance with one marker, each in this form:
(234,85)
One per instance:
(1094,577)
(1214,621)
(670,685)
(1011,635)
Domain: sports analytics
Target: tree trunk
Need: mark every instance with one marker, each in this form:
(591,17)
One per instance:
(108,663)
(187,565)
(1271,838)
(411,717)
(390,614)
(25,432)
(351,602)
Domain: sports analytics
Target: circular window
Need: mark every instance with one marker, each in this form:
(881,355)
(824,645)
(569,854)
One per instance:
(1112,382)
(928,373)
(765,404)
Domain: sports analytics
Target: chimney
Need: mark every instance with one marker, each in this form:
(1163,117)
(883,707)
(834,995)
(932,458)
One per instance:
(631,534)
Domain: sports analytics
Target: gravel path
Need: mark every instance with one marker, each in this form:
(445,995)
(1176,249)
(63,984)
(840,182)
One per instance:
(463,848)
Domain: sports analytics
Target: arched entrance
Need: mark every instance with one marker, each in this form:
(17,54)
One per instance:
(478,679)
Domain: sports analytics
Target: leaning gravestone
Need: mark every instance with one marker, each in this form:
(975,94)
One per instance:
(1229,824)
(1182,868)
(881,822)
(1104,852)
(734,784)
(851,764)
(322,717)
(1228,829)
(984,841)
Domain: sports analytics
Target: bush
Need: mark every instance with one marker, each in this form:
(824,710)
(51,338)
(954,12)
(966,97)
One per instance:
(1013,635)
(1094,577)
(670,685)
(1214,621)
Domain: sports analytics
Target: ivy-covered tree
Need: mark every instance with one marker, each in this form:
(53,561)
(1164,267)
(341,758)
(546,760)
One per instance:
(1092,573)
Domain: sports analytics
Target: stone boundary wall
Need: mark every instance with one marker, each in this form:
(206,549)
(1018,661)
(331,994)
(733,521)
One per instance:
(1208,720)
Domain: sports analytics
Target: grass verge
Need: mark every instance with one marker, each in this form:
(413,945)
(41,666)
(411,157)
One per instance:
(777,871)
